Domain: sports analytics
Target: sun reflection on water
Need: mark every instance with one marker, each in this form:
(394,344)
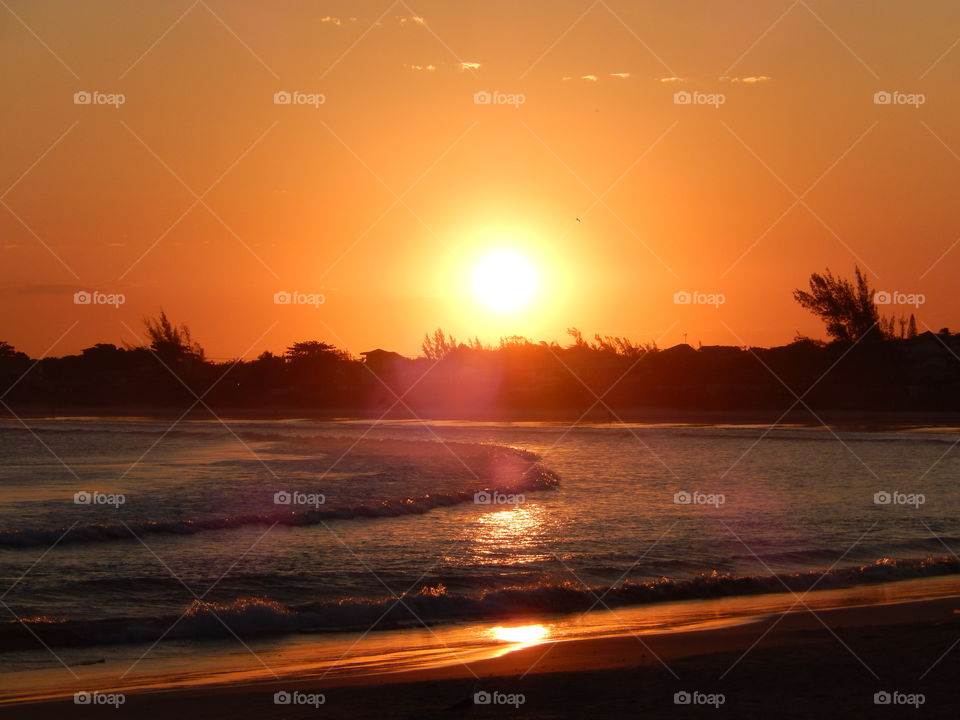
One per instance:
(527,634)
(510,535)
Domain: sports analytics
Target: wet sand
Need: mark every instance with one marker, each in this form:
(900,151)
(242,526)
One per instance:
(789,665)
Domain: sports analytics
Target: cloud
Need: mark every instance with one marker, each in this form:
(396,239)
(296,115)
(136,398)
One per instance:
(415,19)
(440,66)
(673,80)
(595,78)
(336,21)
(751,79)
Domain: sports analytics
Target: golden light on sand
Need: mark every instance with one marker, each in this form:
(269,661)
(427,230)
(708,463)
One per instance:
(505,281)
(521,634)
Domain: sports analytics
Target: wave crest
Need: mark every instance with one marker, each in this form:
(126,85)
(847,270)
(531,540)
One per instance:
(258,616)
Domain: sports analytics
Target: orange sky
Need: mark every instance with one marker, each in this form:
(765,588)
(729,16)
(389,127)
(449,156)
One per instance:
(384,197)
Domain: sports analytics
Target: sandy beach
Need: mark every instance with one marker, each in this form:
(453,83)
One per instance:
(801,664)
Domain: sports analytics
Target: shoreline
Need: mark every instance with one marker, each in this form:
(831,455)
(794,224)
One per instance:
(861,420)
(759,651)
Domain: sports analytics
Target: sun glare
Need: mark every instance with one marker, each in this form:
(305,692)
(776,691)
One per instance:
(522,634)
(504,281)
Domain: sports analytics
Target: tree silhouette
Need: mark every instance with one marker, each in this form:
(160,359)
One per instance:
(8,352)
(846,308)
(172,343)
(439,345)
(315,352)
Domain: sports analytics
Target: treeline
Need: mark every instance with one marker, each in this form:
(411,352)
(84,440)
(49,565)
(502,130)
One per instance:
(871,363)
(516,377)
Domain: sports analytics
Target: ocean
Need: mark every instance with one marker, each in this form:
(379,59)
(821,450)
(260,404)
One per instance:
(128,543)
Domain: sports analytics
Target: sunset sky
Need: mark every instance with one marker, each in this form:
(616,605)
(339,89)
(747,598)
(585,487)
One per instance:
(202,196)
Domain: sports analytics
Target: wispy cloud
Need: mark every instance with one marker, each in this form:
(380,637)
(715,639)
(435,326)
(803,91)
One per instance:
(434,67)
(673,79)
(415,19)
(596,78)
(336,20)
(750,79)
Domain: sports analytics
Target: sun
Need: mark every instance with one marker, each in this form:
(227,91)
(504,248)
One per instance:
(505,281)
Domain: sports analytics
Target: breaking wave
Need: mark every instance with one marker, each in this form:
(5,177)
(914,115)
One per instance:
(258,616)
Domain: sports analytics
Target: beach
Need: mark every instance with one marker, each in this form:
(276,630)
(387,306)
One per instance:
(479,360)
(345,569)
(828,664)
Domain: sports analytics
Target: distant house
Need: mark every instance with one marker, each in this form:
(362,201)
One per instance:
(683,349)
(379,359)
(722,351)
(930,357)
